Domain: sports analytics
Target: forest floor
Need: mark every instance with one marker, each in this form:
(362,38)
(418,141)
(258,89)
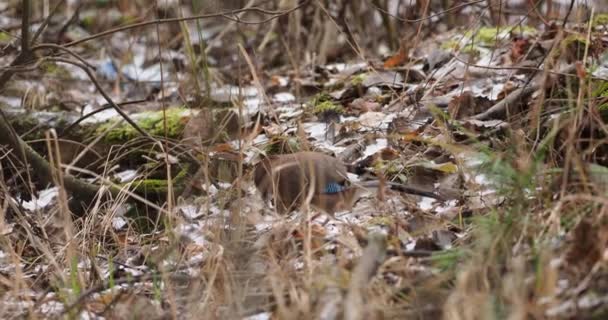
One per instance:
(163,116)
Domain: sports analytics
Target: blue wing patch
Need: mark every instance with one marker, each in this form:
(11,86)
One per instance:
(334,187)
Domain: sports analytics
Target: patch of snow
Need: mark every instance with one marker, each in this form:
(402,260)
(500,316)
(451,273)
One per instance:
(373,91)
(411,245)
(126,176)
(252,105)
(44,199)
(372,119)
(289,112)
(51,307)
(426,203)
(374,148)
(259,316)
(13,102)
(284,97)
(226,93)
(100,116)
(316,130)
(260,139)
(193,232)
(448,205)
(189,211)
(118,223)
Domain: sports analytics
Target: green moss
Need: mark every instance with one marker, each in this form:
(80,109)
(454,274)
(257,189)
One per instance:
(327,107)
(454,45)
(389,168)
(127,19)
(5,37)
(487,36)
(380,221)
(88,21)
(151,122)
(51,68)
(471,49)
(159,187)
(484,36)
(601,91)
(320,98)
(450,45)
(600,20)
(574,38)
(357,80)
(525,30)
(25,123)
(572,47)
(153,185)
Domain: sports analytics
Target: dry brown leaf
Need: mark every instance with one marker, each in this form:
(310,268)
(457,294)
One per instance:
(223,147)
(399,58)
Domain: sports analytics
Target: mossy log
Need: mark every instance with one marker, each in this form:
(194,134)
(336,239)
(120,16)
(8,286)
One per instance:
(114,135)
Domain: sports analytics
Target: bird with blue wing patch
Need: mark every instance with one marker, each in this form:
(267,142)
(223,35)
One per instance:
(289,180)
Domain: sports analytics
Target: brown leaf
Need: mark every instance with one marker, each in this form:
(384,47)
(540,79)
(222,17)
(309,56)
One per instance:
(363,105)
(223,147)
(462,106)
(399,58)
(581,73)
(389,154)
(519,48)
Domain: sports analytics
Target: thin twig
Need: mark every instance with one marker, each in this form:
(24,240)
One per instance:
(106,96)
(46,22)
(275,15)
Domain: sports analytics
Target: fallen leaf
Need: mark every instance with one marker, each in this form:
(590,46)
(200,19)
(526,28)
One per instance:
(447,167)
(399,58)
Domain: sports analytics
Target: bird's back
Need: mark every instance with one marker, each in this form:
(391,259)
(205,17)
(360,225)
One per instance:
(289,178)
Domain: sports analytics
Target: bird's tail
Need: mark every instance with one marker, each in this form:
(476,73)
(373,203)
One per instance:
(371,184)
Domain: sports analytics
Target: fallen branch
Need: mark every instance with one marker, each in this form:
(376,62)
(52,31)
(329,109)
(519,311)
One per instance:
(500,109)
(39,165)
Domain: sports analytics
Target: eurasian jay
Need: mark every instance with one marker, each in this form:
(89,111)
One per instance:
(292,179)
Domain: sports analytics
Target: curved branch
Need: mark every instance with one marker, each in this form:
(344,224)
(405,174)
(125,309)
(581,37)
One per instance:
(40,166)
(225,14)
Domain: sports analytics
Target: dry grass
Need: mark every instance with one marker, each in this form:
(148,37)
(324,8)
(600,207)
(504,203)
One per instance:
(536,249)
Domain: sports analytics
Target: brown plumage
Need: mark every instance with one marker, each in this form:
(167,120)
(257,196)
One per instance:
(289,179)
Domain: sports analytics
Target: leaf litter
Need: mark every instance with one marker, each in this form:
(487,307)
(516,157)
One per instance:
(521,232)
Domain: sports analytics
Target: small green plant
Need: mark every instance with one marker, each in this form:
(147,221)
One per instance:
(51,68)
(600,93)
(152,122)
(488,36)
(327,107)
(448,259)
(357,80)
(600,20)
(382,221)
(74,280)
(5,37)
